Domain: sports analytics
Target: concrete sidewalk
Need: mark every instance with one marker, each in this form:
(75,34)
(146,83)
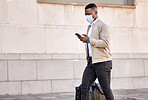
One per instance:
(137,94)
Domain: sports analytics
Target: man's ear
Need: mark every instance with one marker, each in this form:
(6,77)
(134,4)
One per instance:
(96,12)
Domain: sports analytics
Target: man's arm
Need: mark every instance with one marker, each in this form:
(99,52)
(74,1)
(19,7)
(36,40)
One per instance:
(104,38)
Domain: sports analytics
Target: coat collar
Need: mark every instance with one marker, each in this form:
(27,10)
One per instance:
(98,19)
(95,21)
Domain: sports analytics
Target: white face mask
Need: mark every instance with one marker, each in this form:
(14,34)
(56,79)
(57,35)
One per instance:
(89,18)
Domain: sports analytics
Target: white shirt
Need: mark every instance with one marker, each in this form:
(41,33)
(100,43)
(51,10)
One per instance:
(89,33)
(89,47)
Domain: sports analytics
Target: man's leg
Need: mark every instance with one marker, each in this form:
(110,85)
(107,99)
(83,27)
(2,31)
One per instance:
(88,78)
(103,72)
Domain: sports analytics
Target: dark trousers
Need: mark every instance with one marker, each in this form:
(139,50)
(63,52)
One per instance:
(100,70)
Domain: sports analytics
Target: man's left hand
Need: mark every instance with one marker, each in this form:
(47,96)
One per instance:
(85,38)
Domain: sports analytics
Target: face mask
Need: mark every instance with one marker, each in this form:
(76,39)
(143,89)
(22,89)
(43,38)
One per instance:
(89,18)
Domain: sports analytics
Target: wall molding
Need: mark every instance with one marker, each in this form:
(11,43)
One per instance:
(68,56)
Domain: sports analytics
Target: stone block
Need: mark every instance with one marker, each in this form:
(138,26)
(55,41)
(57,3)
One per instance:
(51,14)
(69,15)
(139,41)
(9,56)
(36,87)
(22,70)
(35,56)
(16,39)
(22,11)
(3,10)
(140,82)
(146,67)
(120,55)
(141,16)
(121,83)
(61,40)
(138,55)
(64,85)
(77,82)
(75,15)
(82,55)
(121,41)
(3,70)
(81,47)
(11,88)
(55,69)
(79,67)
(65,56)
(128,68)
(117,17)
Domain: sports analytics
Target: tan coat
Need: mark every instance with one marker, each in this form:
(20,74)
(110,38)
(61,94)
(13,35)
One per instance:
(100,42)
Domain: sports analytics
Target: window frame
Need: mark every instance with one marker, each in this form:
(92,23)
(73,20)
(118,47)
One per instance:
(130,4)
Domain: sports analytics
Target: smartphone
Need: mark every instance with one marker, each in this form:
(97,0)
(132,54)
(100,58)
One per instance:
(78,35)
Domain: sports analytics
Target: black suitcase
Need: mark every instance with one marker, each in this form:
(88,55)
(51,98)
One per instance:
(95,92)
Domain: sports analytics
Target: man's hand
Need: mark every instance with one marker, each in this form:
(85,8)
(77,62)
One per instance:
(84,39)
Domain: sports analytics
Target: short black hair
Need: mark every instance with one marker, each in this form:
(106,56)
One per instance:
(91,5)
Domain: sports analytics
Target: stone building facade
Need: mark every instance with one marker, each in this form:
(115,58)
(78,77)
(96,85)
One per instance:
(39,52)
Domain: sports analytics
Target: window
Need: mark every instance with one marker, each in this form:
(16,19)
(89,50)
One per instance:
(102,2)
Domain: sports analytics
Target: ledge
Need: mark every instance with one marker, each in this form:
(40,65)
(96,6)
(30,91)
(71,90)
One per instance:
(67,56)
(84,4)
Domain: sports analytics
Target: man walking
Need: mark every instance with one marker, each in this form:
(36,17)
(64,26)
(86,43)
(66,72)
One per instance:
(99,62)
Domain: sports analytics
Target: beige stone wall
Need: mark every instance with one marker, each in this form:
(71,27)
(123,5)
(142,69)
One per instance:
(52,73)
(30,27)
(39,52)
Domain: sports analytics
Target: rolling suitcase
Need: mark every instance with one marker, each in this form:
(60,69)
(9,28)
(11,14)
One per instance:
(95,92)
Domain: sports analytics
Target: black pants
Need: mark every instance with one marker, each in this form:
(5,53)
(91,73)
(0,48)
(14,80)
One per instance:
(100,70)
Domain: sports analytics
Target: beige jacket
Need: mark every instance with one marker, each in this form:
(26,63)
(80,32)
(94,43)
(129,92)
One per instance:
(100,42)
